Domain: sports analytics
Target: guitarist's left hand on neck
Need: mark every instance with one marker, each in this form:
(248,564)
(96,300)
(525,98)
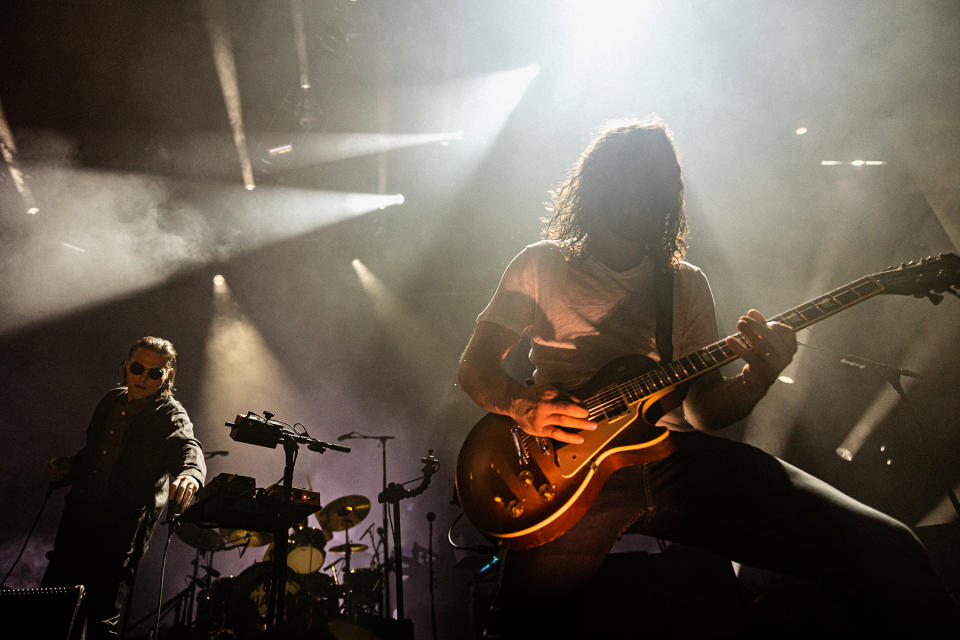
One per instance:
(713,402)
(766,348)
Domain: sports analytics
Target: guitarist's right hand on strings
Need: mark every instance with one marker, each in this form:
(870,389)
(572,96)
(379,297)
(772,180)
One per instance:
(540,410)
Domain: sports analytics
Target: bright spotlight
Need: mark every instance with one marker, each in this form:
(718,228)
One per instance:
(250,186)
(33,211)
(830,163)
(786,379)
(219,280)
(845,453)
(875,163)
(857,163)
(801,131)
(389,201)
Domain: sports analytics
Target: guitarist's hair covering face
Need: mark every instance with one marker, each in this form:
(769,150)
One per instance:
(628,181)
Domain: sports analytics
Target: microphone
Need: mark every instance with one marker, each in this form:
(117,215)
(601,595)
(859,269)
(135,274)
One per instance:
(174,510)
(346,436)
(864,363)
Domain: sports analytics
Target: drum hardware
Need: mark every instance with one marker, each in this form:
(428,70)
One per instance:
(265,432)
(182,603)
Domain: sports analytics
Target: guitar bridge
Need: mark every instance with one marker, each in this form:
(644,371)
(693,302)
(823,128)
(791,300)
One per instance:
(522,456)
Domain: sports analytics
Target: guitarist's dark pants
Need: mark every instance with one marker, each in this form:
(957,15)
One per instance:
(743,504)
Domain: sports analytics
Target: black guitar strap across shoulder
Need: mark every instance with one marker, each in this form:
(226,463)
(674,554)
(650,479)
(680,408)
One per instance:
(663,293)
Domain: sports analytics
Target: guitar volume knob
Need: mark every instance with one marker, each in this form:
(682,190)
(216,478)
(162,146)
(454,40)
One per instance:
(515,508)
(525,477)
(547,491)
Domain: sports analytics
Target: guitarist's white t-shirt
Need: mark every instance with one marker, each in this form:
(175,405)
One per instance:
(581,314)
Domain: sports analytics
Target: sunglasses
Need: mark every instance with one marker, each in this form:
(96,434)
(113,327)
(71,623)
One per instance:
(137,369)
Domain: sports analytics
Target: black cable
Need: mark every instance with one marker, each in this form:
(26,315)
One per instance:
(171,518)
(453,544)
(36,520)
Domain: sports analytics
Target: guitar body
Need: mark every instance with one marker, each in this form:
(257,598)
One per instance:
(527,491)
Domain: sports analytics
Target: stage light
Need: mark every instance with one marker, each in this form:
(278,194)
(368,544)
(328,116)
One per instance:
(219,280)
(786,379)
(875,163)
(226,67)
(830,163)
(280,150)
(857,163)
(250,186)
(801,131)
(295,150)
(33,211)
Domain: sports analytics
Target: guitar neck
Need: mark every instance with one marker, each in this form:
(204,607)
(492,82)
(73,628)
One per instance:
(718,354)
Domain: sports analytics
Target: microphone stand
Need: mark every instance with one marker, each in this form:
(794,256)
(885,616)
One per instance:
(891,375)
(385,560)
(393,494)
(431,516)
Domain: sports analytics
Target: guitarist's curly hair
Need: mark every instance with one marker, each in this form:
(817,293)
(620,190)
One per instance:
(628,176)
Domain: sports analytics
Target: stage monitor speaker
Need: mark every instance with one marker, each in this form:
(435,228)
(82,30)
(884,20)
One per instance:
(54,612)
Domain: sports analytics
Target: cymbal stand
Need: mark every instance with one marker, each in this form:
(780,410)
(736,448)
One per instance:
(182,603)
(393,494)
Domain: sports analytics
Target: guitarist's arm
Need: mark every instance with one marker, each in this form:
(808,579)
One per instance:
(536,408)
(713,402)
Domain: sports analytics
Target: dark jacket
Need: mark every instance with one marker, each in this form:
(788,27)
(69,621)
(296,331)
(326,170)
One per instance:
(158,443)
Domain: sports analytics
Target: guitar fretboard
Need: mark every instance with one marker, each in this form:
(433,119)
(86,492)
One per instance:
(614,398)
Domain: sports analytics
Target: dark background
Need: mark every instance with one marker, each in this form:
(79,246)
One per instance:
(122,133)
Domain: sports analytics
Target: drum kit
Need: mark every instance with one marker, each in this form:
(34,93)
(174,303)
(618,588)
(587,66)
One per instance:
(335,597)
(291,590)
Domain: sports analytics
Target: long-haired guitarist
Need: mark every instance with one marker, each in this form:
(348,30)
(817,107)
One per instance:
(586,295)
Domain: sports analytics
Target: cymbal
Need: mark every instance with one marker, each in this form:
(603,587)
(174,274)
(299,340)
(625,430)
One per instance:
(343,513)
(354,548)
(242,537)
(200,537)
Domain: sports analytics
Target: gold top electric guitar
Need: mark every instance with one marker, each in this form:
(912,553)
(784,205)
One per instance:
(527,490)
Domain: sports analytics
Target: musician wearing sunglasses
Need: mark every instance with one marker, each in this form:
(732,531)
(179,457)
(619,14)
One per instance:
(138,439)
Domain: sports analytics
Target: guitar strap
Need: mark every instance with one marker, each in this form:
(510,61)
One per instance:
(663,294)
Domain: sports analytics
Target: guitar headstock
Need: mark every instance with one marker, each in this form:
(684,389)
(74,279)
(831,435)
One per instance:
(928,277)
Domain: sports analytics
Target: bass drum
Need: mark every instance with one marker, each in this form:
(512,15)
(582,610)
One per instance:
(212,605)
(248,603)
(362,586)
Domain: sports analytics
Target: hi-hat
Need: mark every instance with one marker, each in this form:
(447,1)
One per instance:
(244,538)
(343,513)
(353,546)
(200,537)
